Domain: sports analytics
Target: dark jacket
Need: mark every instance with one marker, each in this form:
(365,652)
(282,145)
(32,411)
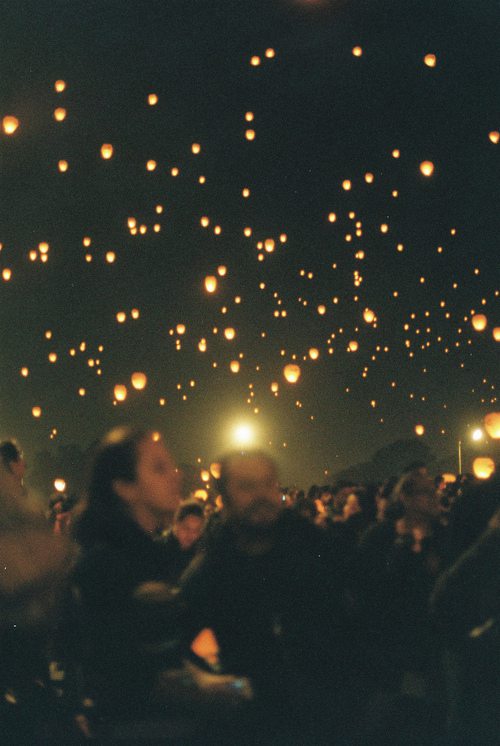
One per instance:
(128,635)
(177,559)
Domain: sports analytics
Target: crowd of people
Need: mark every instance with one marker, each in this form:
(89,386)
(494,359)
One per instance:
(355,614)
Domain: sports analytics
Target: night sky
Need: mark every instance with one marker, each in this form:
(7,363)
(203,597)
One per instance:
(420,251)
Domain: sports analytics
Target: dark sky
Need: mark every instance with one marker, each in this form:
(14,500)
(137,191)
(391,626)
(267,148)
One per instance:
(321,115)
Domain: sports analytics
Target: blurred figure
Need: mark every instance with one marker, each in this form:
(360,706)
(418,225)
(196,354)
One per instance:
(268,587)
(182,541)
(13,460)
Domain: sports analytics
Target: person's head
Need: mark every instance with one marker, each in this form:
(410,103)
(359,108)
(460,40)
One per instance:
(249,487)
(417,493)
(134,473)
(189,522)
(13,459)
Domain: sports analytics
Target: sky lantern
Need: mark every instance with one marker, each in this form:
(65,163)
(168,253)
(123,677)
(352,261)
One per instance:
(332,217)
(151,165)
(6,274)
(496,333)
(10,124)
(59,484)
(427,168)
(60,114)
(419,430)
(210,283)
(215,469)
(120,392)
(483,467)
(492,425)
(63,166)
(291,372)
(234,366)
(52,357)
(369,177)
(494,137)
(357,51)
(321,309)
(25,372)
(195,148)
(270,53)
(430,60)
(249,116)
(180,328)
(369,315)
(479,322)
(255,60)
(106,151)
(250,134)
(222,271)
(202,345)
(229,333)
(135,313)
(121,317)
(269,245)
(139,381)
(36,412)
(204,221)
(110,257)
(314,353)
(346,185)
(152,99)
(274,387)
(353,346)
(60,86)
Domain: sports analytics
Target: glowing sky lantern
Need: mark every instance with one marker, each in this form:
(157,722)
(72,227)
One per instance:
(25,372)
(321,309)
(479,322)
(369,177)
(427,168)
(314,353)
(332,217)
(492,425)
(59,484)
(234,366)
(121,317)
(270,53)
(494,137)
(135,313)
(152,99)
(419,429)
(139,381)
(36,412)
(202,345)
(357,51)
(229,333)
(250,134)
(255,60)
(496,333)
(292,372)
(430,60)
(60,114)
(151,165)
(63,166)
(210,283)
(195,148)
(483,467)
(353,346)
(222,271)
(60,86)
(110,257)
(10,124)
(204,221)
(368,315)
(106,151)
(120,392)
(180,328)
(346,185)
(6,274)
(269,245)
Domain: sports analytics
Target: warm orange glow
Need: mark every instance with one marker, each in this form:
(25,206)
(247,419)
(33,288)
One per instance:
(63,166)
(357,51)
(270,53)
(430,60)
(427,168)
(229,333)
(250,134)
(60,114)
(479,322)
(353,346)
(369,178)
(269,245)
(152,99)
(60,86)
(121,317)
(106,151)
(10,124)
(151,165)
(368,315)
(25,372)
(195,148)
(210,283)
(314,353)
(494,137)
(346,185)
(234,366)
(292,372)
(496,333)
(180,329)
(6,274)
(321,310)
(332,217)
(139,381)
(255,60)
(492,424)
(419,429)
(36,412)
(222,271)
(110,257)
(120,392)
(483,467)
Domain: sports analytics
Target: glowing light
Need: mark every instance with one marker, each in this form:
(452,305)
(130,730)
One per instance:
(152,99)
(479,322)
(483,467)
(430,60)
(234,366)
(357,51)
(6,274)
(106,151)
(353,346)
(196,148)
(477,434)
(151,165)
(139,381)
(250,134)
(210,283)
(292,372)
(368,315)
(346,185)
(243,434)
(494,137)
(419,430)
(492,425)
(427,168)
(496,333)
(110,257)
(60,86)
(59,485)
(255,60)
(314,353)
(120,392)
(59,114)
(222,271)
(63,166)
(229,333)
(36,412)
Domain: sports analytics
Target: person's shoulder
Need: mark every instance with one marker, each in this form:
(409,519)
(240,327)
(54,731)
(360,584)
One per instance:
(377,536)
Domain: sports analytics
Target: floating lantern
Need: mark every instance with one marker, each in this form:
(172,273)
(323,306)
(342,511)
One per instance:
(496,333)
(479,322)
(274,387)
(139,381)
(180,328)
(234,366)
(106,151)
(430,60)
(59,484)
(368,315)
(152,99)
(483,467)
(269,245)
(332,217)
(369,178)
(110,257)
(492,424)
(321,310)
(419,429)
(314,353)
(255,60)
(222,271)
(229,333)
(195,148)
(291,372)
(36,412)
(250,134)
(494,137)
(6,274)
(63,166)
(121,317)
(25,372)
(346,185)
(357,51)
(60,114)
(10,124)
(353,346)
(120,392)
(427,168)
(60,86)
(210,283)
